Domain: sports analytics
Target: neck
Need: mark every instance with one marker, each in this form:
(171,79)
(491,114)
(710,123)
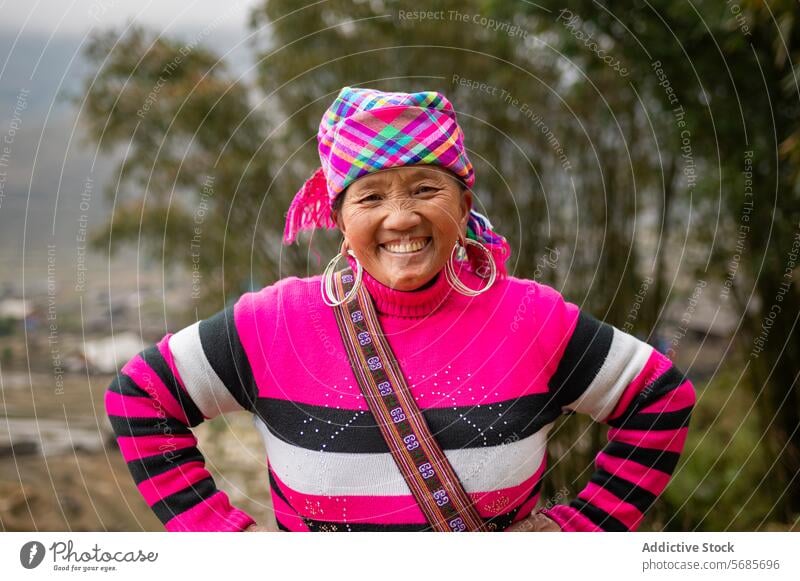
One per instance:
(420,302)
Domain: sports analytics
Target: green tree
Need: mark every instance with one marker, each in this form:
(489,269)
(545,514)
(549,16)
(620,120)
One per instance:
(729,66)
(193,171)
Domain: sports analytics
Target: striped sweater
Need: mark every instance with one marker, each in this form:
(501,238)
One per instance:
(490,373)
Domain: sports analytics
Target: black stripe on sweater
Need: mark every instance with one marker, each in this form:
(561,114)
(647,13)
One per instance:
(224,352)
(152,356)
(663,385)
(168,508)
(125,426)
(355,431)
(661,460)
(655,421)
(145,468)
(583,357)
(318,526)
(124,385)
(624,490)
(598,516)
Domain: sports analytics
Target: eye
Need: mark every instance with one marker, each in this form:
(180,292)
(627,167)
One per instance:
(370,198)
(427,189)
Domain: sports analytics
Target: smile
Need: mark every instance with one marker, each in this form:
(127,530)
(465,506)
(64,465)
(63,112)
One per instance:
(409,247)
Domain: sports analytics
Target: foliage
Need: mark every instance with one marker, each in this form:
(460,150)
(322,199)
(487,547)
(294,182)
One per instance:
(194,170)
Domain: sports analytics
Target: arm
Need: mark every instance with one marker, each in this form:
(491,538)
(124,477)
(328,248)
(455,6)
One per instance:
(625,383)
(195,374)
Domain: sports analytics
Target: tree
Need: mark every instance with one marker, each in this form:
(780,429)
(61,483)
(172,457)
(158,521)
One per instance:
(193,171)
(729,68)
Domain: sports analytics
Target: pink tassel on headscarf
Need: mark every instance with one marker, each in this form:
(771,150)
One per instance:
(310,208)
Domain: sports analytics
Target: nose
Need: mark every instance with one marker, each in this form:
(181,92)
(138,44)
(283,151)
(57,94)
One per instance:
(401,217)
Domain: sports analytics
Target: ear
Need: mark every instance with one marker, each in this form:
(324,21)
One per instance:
(466,206)
(336,212)
(337,217)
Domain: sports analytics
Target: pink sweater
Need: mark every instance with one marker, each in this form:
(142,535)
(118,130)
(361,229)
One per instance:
(491,374)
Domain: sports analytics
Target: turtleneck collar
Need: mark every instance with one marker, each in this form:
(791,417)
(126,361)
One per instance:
(416,303)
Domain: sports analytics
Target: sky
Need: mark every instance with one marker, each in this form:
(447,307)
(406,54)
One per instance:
(77,17)
(41,65)
(42,40)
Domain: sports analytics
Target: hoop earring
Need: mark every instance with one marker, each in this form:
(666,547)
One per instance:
(326,284)
(452,277)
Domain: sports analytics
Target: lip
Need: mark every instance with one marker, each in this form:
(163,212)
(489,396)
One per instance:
(415,253)
(404,239)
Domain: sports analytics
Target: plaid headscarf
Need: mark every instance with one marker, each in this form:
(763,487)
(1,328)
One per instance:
(366,130)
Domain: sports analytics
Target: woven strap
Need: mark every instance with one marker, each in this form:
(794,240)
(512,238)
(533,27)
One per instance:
(425,468)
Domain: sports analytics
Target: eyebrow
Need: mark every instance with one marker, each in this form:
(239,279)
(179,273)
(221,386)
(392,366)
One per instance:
(416,176)
(420,174)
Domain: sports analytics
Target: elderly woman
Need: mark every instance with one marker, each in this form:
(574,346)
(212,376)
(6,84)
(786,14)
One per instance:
(413,389)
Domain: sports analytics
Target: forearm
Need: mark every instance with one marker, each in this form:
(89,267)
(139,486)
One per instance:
(151,415)
(648,429)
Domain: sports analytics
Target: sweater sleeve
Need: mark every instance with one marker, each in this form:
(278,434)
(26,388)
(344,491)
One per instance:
(635,390)
(192,375)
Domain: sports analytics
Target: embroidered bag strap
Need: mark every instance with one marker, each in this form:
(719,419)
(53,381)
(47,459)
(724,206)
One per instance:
(425,468)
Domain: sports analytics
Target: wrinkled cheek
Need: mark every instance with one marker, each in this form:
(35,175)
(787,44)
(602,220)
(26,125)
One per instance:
(376,256)
(442,250)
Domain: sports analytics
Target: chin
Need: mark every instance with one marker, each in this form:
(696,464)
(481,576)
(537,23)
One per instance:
(408,282)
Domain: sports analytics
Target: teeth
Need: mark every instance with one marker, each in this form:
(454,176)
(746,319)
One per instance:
(406,247)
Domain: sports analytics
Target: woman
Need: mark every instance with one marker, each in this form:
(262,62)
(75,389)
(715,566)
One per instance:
(413,389)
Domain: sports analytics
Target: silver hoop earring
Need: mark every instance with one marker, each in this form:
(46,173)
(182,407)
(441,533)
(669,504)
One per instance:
(453,279)
(326,284)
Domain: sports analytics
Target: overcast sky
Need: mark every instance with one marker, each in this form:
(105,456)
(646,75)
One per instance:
(77,17)
(40,64)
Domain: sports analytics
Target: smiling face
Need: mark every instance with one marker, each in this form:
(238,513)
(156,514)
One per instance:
(403,222)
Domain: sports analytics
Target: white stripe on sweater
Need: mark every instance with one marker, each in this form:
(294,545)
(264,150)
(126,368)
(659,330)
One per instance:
(341,474)
(626,358)
(201,382)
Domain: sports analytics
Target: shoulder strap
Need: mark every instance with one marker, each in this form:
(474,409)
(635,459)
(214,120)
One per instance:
(425,468)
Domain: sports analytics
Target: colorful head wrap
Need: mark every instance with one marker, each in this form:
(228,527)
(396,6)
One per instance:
(365,131)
